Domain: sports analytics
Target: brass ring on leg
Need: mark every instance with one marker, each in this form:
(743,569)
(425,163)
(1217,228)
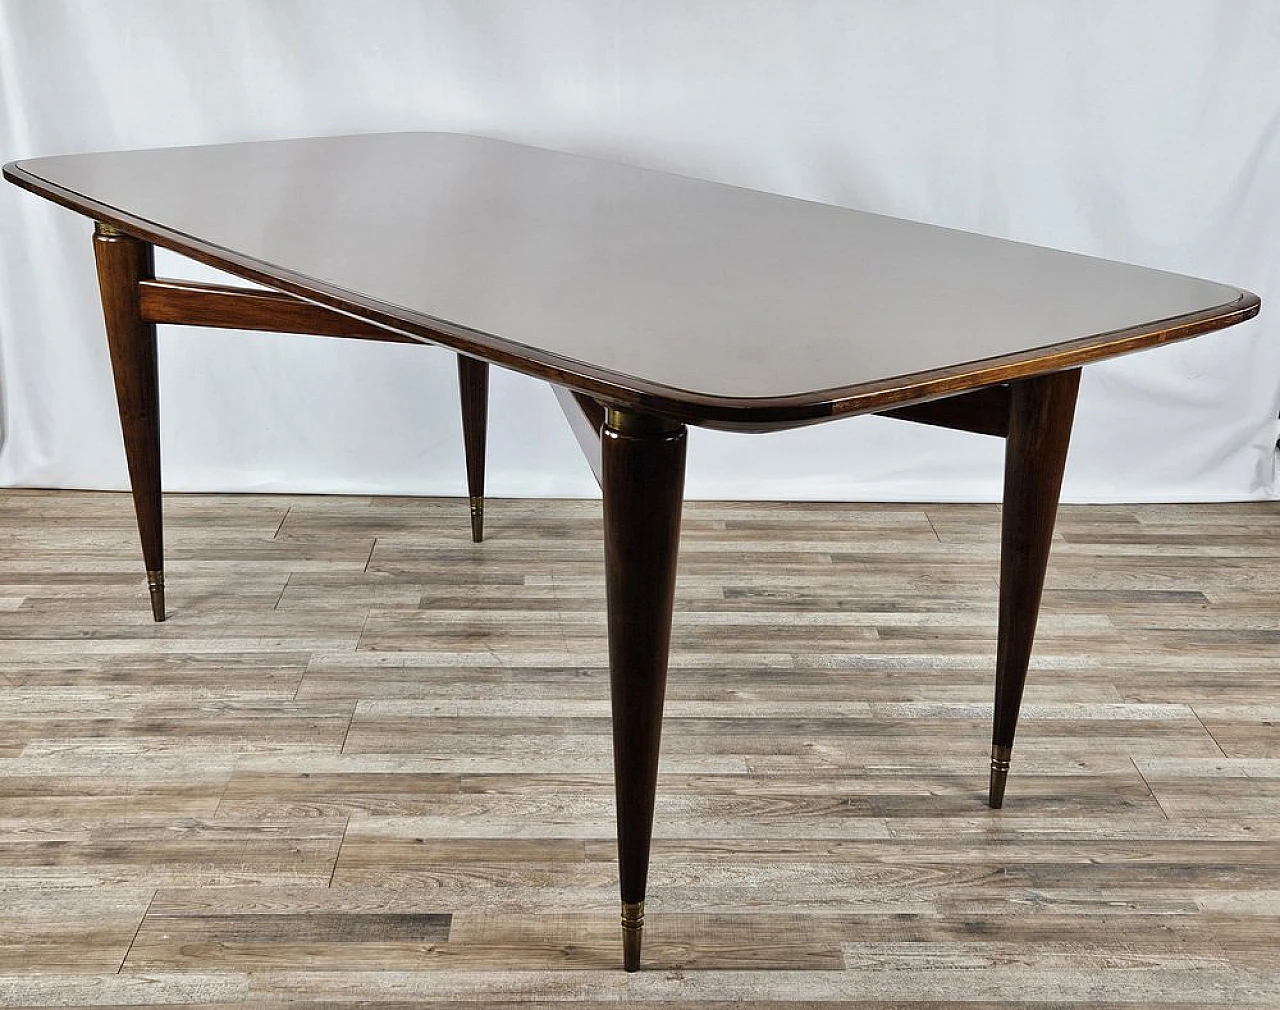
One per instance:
(999,774)
(155,584)
(632,934)
(477,518)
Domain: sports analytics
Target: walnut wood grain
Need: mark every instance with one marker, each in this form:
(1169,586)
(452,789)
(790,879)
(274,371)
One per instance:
(982,411)
(473,389)
(643,481)
(193,303)
(586,418)
(123,263)
(1041,412)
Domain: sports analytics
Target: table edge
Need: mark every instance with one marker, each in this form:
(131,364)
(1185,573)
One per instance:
(702,409)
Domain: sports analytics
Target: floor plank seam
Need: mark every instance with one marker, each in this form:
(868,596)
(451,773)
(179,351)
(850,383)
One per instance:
(1133,761)
(283,589)
(337,856)
(222,793)
(141,922)
(1216,742)
(355,704)
(297,688)
(364,625)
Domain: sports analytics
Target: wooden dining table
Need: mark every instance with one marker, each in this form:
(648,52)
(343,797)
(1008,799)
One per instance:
(651,302)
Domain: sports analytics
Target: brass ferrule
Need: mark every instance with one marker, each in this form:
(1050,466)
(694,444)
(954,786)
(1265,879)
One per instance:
(106,230)
(155,583)
(632,934)
(1000,757)
(477,505)
(633,916)
(631,422)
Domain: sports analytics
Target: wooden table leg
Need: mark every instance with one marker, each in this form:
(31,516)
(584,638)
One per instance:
(1041,411)
(123,262)
(473,385)
(643,483)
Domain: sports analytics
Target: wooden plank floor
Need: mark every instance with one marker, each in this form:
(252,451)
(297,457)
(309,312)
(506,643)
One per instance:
(367,762)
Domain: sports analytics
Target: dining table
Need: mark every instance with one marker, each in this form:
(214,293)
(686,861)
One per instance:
(650,301)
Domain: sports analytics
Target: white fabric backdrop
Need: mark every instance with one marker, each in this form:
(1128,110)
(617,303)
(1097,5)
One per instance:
(1140,130)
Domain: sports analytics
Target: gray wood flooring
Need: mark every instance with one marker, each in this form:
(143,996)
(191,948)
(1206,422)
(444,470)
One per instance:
(367,762)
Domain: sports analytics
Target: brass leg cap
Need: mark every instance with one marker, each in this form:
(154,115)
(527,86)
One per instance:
(155,583)
(999,775)
(995,789)
(632,934)
(477,519)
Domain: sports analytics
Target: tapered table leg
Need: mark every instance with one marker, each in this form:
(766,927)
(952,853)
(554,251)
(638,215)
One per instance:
(1041,411)
(123,261)
(643,483)
(473,384)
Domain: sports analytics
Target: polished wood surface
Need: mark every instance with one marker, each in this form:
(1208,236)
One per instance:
(473,390)
(711,304)
(193,303)
(586,419)
(642,471)
(1041,412)
(367,763)
(123,264)
(982,411)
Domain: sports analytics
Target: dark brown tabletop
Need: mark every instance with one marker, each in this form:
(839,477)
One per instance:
(713,304)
